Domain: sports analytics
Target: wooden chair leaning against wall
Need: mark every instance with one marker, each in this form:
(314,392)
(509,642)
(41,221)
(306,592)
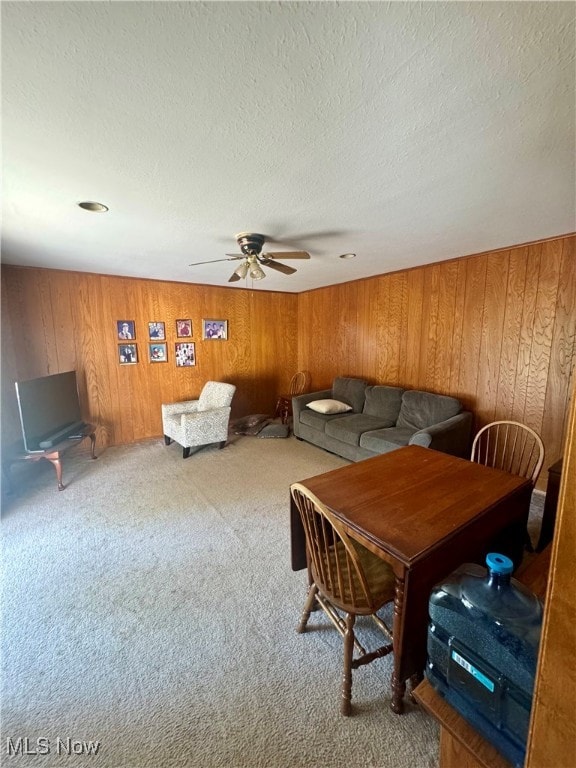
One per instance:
(299,383)
(344,576)
(512,447)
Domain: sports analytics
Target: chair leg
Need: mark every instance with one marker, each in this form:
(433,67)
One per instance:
(185,453)
(278,409)
(167,440)
(312,592)
(346,703)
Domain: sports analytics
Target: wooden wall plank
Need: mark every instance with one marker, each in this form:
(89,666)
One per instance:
(542,332)
(396,316)
(410,365)
(457,335)
(562,356)
(472,331)
(491,338)
(446,320)
(429,336)
(511,330)
(381,332)
(528,314)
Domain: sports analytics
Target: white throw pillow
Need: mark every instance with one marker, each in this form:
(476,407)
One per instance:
(329,406)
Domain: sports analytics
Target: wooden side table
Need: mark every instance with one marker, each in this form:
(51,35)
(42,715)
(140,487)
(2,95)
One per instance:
(53,455)
(550,505)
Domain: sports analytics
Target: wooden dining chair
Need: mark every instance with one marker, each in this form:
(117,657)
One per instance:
(512,447)
(299,383)
(345,577)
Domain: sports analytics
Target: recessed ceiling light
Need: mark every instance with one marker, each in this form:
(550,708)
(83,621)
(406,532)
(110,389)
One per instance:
(94,207)
(347,255)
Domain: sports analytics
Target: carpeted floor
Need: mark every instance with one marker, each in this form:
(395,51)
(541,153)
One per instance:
(150,607)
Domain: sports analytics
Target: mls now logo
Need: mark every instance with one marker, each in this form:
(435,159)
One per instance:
(43,746)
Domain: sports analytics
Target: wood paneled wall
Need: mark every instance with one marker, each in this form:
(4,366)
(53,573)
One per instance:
(55,321)
(496,330)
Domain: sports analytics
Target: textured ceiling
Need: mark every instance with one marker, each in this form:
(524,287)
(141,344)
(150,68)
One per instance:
(404,132)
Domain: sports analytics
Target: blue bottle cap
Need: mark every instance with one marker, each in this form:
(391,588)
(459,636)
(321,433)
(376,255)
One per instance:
(499,563)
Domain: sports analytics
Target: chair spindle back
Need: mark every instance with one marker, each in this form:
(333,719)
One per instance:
(510,446)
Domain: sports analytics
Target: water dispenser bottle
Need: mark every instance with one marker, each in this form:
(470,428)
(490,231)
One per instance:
(483,641)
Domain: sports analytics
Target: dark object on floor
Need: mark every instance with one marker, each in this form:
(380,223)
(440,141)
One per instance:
(274,429)
(251,425)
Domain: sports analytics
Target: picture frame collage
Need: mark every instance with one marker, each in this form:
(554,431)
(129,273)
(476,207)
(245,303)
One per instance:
(157,344)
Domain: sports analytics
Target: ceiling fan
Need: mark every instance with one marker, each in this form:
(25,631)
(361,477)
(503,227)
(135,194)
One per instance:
(253,259)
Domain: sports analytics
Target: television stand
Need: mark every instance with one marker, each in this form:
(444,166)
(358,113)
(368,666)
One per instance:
(53,454)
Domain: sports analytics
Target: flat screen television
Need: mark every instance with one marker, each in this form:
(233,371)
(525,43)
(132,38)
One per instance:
(49,410)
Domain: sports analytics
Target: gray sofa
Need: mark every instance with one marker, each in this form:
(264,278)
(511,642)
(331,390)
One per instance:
(382,419)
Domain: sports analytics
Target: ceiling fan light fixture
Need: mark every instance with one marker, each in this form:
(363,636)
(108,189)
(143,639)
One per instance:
(242,270)
(256,271)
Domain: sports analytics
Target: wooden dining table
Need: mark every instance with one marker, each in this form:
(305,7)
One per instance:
(425,513)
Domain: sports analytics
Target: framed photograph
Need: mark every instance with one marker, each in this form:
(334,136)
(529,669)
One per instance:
(214,329)
(156,331)
(127,354)
(183,328)
(126,329)
(185,354)
(157,353)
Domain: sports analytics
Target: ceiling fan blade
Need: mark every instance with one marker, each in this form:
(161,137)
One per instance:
(287,255)
(278,266)
(214,261)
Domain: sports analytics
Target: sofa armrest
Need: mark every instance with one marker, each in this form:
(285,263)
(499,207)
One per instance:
(301,401)
(450,436)
(186,406)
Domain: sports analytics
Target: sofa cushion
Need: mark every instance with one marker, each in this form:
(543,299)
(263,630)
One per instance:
(383,402)
(329,406)
(317,420)
(422,409)
(349,391)
(384,440)
(349,428)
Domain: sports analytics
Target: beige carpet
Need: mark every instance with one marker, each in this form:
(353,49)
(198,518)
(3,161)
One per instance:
(150,608)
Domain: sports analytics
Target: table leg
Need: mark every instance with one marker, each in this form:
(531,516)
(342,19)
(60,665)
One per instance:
(398,685)
(93,445)
(57,464)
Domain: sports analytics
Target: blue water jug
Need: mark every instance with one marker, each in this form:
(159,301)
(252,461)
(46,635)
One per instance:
(483,642)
